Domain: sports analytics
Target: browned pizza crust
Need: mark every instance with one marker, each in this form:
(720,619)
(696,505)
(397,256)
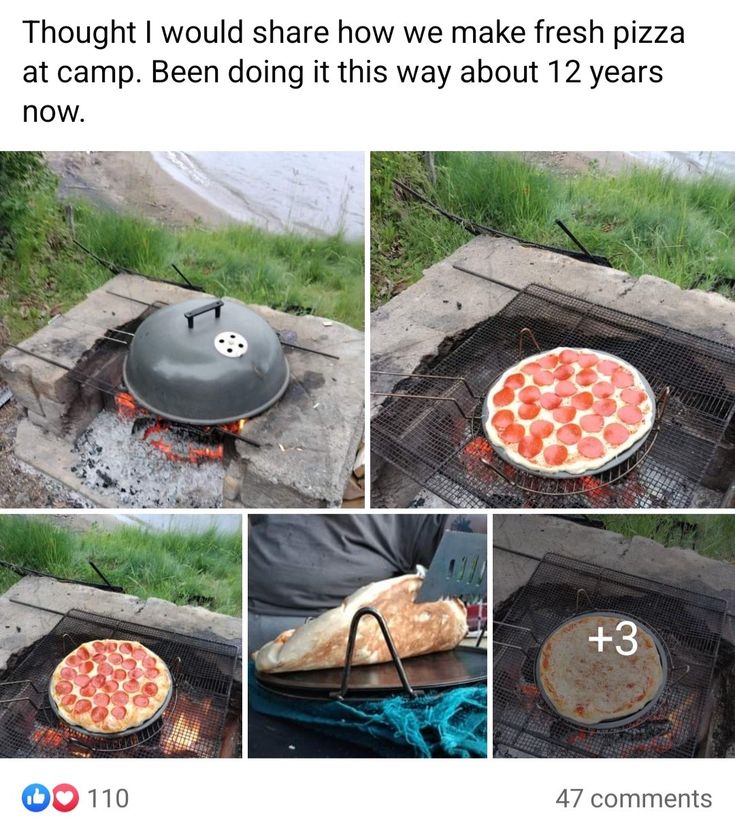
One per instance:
(416,628)
(588,686)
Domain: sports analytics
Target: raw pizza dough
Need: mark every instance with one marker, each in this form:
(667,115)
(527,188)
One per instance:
(109,686)
(568,410)
(416,628)
(588,686)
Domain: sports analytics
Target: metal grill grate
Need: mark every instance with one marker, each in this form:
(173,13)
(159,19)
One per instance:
(435,437)
(191,726)
(688,624)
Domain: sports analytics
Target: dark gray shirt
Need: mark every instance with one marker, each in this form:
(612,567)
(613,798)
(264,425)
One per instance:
(302,565)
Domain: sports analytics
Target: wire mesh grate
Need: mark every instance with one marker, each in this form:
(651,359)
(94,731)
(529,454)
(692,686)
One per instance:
(689,626)
(191,726)
(434,435)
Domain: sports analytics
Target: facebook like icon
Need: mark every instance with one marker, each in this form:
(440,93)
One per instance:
(36,797)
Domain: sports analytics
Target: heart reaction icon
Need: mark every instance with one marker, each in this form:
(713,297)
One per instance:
(66,797)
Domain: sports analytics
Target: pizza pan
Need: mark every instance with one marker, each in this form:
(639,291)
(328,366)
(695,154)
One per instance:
(626,719)
(611,464)
(129,732)
(463,666)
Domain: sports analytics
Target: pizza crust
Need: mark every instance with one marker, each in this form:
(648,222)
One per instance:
(135,716)
(588,686)
(575,464)
(416,628)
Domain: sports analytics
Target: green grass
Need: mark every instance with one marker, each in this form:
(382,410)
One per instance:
(710,535)
(646,221)
(43,273)
(185,568)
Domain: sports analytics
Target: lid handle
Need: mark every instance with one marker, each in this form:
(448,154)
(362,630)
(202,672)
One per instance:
(215,305)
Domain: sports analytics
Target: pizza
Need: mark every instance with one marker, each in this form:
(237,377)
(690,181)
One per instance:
(568,411)
(416,628)
(589,686)
(109,686)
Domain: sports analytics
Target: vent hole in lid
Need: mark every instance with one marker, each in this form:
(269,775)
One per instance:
(229,350)
(240,345)
(221,341)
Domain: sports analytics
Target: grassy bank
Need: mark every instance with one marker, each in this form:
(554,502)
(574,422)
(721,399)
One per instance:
(710,535)
(644,220)
(185,568)
(42,273)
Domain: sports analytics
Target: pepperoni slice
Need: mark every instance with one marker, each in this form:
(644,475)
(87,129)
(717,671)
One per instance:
(555,455)
(513,381)
(134,674)
(549,361)
(152,672)
(88,691)
(119,712)
(615,434)
(526,411)
(111,686)
(569,434)
(82,680)
(529,394)
(630,414)
(131,686)
(110,646)
(622,379)
(98,681)
(565,414)
(140,701)
(592,422)
(82,705)
(105,669)
(568,356)
(67,673)
(128,663)
(586,377)
(63,687)
(101,700)
(86,667)
(504,397)
(115,658)
(602,389)
(564,372)
(531,368)
(605,407)
(98,646)
(150,689)
(501,420)
(550,401)
(540,428)
(633,396)
(68,700)
(73,660)
(99,714)
(583,401)
(126,648)
(83,653)
(513,434)
(591,447)
(120,698)
(607,367)
(529,447)
(543,377)
(565,388)
(119,675)
(587,360)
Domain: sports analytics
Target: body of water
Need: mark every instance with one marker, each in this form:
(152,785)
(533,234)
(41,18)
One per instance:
(310,193)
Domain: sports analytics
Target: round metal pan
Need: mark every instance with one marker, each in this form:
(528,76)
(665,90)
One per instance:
(132,731)
(626,719)
(611,464)
(463,666)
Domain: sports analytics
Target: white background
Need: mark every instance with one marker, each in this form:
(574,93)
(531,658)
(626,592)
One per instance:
(692,108)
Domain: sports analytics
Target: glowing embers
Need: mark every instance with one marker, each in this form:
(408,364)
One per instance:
(177,442)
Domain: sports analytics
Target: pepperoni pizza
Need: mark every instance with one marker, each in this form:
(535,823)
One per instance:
(568,411)
(110,686)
